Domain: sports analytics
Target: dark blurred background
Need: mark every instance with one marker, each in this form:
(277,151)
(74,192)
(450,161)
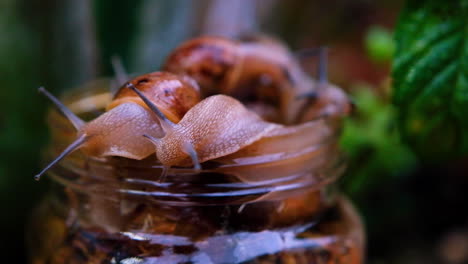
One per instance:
(415,211)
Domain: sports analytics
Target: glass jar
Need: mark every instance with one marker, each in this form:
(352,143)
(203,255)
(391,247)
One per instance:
(116,210)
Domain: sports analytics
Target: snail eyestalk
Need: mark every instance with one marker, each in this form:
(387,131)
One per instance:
(322,74)
(74,119)
(322,68)
(155,141)
(72,147)
(121,75)
(322,77)
(165,122)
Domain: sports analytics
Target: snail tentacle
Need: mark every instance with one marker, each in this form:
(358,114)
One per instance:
(190,150)
(72,147)
(166,124)
(74,119)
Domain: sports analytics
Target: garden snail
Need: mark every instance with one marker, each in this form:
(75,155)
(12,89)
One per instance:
(260,69)
(118,132)
(217,126)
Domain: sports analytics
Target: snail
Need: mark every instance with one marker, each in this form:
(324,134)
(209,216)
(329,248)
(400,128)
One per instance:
(118,132)
(254,70)
(217,126)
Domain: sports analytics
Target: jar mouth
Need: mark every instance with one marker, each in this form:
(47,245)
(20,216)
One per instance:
(184,186)
(241,181)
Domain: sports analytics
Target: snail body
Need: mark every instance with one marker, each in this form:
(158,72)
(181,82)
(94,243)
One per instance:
(114,132)
(217,126)
(118,132)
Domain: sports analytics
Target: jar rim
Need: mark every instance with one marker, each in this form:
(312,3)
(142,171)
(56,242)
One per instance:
(182,186)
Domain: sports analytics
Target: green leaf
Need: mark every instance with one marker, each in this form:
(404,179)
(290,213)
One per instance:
(372,144)
(379,44)
(430,74)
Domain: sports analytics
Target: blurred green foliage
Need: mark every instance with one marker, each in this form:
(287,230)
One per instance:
(379,44)
(430,75)
(22,129)
(373,145)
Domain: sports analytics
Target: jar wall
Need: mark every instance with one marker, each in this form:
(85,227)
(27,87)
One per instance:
(115,210)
